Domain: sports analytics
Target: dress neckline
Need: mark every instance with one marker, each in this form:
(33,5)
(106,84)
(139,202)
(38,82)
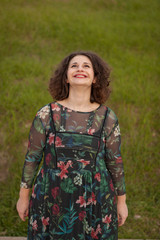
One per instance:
(64,107)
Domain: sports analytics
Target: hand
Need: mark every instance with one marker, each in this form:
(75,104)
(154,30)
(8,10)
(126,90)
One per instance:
(122,213)
(23,208)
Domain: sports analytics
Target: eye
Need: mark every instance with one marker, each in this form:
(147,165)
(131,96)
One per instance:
(86,65)
(74,65)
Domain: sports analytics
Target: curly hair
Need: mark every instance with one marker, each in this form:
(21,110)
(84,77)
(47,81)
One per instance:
(59,88)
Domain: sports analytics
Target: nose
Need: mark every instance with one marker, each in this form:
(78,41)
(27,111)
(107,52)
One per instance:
(80,68)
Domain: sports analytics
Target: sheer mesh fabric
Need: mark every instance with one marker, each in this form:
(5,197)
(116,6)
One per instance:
(74,121)
(86,123)
(113,152)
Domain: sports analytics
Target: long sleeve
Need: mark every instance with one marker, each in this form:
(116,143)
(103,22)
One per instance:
(113,152)
(37,138)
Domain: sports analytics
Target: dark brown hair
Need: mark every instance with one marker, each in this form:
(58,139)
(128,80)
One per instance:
(59,88)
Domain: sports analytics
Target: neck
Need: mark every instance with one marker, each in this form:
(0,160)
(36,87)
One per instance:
(79,98)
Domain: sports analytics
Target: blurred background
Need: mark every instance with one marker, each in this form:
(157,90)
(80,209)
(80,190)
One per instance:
(34,37)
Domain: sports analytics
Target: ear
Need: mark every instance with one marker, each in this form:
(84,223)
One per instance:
(94,80)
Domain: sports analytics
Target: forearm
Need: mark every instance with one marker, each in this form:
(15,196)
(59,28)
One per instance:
(122,210)
(23,203)
(121,199)
(24,193)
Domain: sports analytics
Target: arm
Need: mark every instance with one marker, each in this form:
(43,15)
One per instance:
(33,158)
(115,165)
(122,210)
(23,203)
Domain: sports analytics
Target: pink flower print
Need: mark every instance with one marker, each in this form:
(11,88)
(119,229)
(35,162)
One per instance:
(99,230)
(61,165)
(55,192)
(92,199)
(56,117)
(111,185)
(85,163)
(42,172)
(58,142)
(82,215)
(33,194)
(95,233)
(107,219)
(69,164)
(104,140)
(48,158)
(34,225)
(55,209)
(114,200)
(62,174)
(51,138)
(64,168)
(82,201)
(55,107)
(91,131)
(45,222)
(119,160)
(98,177)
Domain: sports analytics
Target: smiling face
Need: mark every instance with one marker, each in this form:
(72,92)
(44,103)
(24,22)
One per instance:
(80,71)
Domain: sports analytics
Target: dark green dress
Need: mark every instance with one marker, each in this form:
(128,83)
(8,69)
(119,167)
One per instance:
(74,193)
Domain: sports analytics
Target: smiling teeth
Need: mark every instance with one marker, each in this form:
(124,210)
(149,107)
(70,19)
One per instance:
(80,75)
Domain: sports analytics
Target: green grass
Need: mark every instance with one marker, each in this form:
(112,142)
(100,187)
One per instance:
(35,36)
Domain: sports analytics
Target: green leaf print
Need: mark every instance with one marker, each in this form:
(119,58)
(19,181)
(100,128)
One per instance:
(104,184)
(81,236)
(77,138)
(92,154)
(38,126)
(79,128)
(68,186)
(101,166)
(35,155)
(60,218)
(53,151)
(81,154)
(54,173)
(107,196)
(49,204)
(27,174)
(45,184)
(69,219)
(99,118)
(88,176)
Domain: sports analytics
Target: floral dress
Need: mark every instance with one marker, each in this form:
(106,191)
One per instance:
(74,192)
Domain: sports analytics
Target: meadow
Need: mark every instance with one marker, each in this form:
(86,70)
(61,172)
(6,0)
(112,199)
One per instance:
(34,37)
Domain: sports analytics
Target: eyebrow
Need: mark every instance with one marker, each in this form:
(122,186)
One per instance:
(84,63)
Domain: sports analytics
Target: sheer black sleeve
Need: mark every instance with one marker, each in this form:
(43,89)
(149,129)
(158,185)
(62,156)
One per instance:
(113,152)
(36,143)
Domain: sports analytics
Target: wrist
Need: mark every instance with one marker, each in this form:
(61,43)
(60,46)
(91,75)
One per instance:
(121,199)
(24,194)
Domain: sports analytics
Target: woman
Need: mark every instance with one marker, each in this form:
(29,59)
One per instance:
(79,192)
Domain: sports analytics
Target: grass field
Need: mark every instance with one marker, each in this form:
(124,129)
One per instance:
(34,37)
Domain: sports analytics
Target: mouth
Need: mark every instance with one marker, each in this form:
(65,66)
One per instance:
(80,76)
